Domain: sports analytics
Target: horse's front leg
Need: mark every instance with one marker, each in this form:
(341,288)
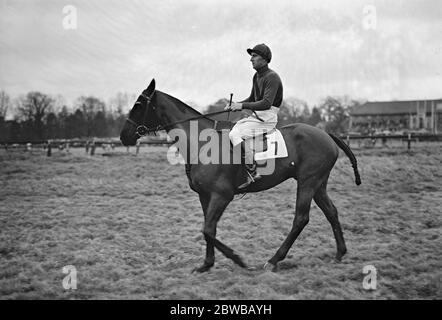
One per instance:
(209,261)
(216,204)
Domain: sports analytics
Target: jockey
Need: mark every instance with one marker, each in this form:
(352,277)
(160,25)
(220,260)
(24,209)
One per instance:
(264,100)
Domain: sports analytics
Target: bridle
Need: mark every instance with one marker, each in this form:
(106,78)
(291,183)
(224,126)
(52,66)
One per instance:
(142,129)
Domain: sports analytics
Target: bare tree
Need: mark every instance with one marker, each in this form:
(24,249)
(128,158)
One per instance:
(336,111)
(33,108)
(59,103)
(293,110)
(119,103)
(90,106)
(5,103)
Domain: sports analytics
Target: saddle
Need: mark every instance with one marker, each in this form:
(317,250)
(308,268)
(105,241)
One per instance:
(259,143)
(221,125)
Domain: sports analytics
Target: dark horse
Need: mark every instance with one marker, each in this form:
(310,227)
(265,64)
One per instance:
(312,154)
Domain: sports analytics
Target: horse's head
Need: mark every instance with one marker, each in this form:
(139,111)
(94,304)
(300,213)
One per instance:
(142,118)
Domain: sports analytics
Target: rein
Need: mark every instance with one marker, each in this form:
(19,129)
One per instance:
(142,130)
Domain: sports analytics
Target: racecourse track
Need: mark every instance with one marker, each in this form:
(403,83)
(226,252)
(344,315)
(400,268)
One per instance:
(131,227)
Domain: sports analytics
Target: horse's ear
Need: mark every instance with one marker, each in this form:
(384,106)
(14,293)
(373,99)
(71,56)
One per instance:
(151,87)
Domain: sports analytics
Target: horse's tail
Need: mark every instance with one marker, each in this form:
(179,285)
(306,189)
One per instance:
(341,144)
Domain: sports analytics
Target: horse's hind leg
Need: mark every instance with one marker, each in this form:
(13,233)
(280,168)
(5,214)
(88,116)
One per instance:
(305,193)
(326,205)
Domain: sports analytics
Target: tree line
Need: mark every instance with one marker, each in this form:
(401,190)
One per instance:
(39,117)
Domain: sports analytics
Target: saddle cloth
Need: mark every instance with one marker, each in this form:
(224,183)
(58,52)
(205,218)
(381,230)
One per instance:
(270,145)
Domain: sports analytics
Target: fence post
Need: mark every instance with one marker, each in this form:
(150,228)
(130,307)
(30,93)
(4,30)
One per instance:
(49,153)
(138,147)
(409,141)
(384,141)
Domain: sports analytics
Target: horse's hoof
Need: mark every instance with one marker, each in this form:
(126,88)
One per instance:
(203,268)
(338,258)
(339,255)
(268,266)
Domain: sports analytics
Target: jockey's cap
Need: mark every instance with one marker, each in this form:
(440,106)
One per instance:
(262,50)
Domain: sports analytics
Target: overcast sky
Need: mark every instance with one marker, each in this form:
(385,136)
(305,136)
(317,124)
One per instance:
(196,49)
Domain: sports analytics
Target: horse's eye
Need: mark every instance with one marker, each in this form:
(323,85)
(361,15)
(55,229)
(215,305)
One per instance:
(137,106)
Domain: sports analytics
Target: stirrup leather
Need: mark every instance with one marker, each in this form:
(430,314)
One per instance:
(250,176)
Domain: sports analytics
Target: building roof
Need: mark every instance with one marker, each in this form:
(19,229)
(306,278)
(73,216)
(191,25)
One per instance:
(393,107)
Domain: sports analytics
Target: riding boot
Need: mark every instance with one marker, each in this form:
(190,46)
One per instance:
(250,164)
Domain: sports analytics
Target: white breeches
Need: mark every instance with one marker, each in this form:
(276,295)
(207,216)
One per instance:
(249,127)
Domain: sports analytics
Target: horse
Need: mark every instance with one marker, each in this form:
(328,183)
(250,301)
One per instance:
(312,153)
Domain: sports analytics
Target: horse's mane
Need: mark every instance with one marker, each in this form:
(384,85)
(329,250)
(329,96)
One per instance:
(181,105)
